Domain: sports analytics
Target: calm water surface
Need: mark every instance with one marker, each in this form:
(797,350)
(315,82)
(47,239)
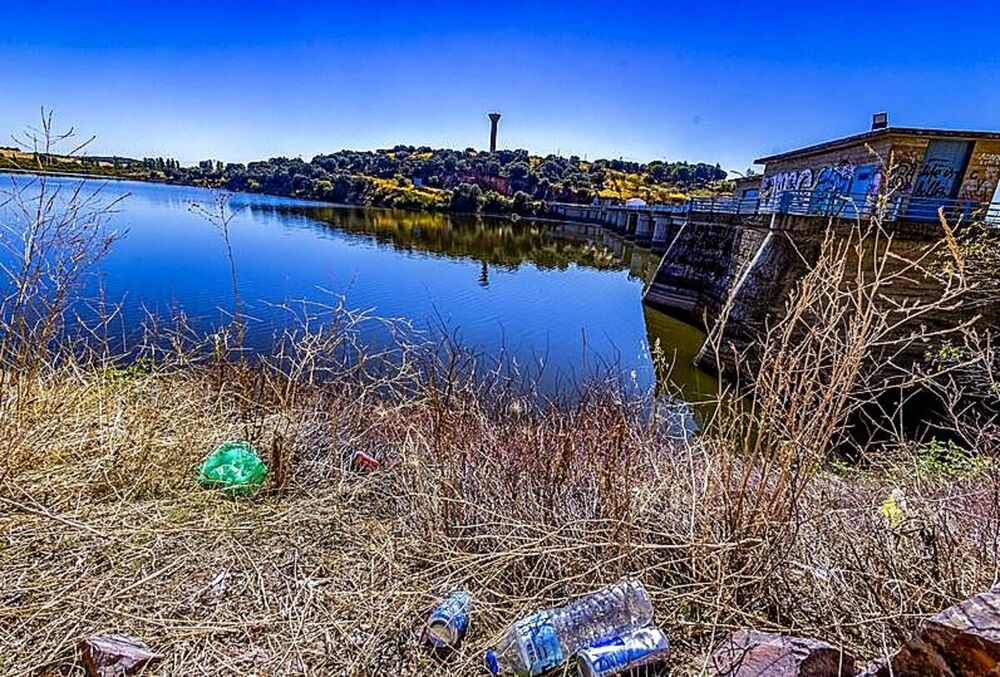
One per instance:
(564,294)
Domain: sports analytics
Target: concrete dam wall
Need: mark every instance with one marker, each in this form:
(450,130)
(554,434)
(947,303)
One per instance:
(753,265)
(748,262)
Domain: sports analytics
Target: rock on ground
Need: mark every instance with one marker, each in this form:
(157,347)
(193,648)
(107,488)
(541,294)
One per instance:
(748,653)
(114,655)
(962,640)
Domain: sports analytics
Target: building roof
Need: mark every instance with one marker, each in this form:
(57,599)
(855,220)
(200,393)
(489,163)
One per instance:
(875,134)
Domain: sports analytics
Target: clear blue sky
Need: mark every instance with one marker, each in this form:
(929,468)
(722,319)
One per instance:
(695,80)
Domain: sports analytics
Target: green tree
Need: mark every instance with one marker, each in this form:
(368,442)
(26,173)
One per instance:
(467,197)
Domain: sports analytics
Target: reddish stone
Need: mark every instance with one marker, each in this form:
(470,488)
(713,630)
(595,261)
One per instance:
(749,653)
(960,641)
(115,655)
(362,462)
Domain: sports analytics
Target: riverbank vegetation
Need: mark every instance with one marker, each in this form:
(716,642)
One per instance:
(409,177)
(770,517)
(332,572)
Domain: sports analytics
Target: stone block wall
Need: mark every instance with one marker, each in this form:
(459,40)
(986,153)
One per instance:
(899,156)
(983,173)
(700,268)
(758,268)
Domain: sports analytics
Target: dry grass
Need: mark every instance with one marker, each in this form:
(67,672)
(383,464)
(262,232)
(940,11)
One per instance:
(104,528)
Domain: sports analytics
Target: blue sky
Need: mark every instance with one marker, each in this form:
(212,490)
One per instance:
(700,81)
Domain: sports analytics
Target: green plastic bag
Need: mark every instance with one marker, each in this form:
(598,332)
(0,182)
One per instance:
(233,467)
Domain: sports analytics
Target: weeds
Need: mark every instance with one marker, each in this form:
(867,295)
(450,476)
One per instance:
(523,501)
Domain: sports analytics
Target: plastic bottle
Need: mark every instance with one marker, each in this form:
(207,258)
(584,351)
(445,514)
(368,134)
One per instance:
(547,638)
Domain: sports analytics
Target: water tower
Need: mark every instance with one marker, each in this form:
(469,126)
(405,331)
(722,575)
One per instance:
(494,121)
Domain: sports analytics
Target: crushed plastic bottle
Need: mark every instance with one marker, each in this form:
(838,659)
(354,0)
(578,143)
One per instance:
(233,467)
(546,638)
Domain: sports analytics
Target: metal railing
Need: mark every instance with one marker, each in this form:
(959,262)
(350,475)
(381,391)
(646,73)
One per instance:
(724,205)
(811,203)
(901,207)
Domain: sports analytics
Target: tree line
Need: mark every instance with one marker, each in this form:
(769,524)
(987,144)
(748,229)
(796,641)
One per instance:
(427,179)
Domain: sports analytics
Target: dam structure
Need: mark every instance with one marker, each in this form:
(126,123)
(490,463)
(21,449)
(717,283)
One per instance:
(745,252)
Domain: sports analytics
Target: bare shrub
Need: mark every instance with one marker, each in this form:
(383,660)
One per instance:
(51,236)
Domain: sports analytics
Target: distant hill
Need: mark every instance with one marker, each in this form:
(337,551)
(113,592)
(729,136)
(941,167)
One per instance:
(11,158)
(416,177)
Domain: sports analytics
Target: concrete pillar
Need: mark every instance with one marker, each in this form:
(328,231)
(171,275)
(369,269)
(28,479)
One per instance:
(616,221)
(611,222)
(661,232)
(494,120)
(635,264)
(644,228)
(630,224)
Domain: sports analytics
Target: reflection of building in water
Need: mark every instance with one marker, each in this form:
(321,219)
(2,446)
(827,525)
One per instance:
(635,266)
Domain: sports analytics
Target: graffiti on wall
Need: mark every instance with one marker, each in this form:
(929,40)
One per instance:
(917,183)
(980,184)
(901,176)
(935,180)
(795,179)
(834,180)
(839,188)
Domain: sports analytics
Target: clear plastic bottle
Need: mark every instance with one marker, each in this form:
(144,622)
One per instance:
(547,638)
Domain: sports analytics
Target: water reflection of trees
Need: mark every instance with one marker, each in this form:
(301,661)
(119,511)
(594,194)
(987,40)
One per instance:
(496,242)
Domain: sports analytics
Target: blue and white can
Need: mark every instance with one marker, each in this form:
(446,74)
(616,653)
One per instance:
(637,648)
(450,619)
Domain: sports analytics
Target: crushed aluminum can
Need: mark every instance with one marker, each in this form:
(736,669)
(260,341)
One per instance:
(643,646)
(449,620)
(362,462)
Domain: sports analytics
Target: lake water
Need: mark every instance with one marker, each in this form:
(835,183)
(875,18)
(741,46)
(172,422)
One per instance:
(567,295)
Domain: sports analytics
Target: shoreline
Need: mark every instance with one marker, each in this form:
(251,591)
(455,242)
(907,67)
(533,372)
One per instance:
(546,216)
(81,175)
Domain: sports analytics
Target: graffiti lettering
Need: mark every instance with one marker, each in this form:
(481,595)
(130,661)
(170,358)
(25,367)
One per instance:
(835,180)
(979,185)
(990,159)
(936,179)
(790,180)
(832,183)
(901,176)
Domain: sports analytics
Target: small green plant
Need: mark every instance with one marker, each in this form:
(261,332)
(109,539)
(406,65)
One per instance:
(140,368)
(893,509)
(949,460)
(947,352)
